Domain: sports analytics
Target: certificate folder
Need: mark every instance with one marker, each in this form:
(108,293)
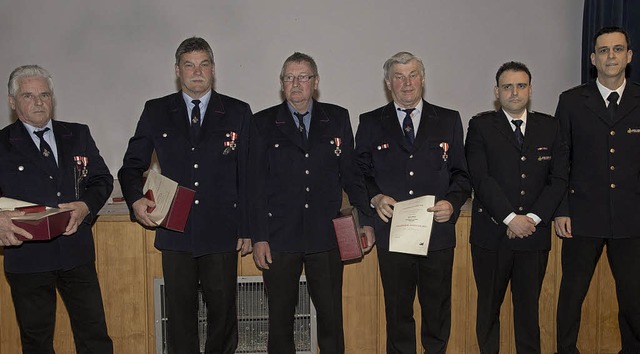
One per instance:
(411,226)
(43,223)
(350,241)
(173,202)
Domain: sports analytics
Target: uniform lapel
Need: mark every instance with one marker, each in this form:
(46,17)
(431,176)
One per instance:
(595,103)
(532,131)
(427,118)
(214,116)
(64,140)
(503,126)
(285,123)
(19,138)
(391,125)
(178,112)
(630,100)
(319,122)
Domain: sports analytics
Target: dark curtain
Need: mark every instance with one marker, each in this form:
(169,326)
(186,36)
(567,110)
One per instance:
(602,13)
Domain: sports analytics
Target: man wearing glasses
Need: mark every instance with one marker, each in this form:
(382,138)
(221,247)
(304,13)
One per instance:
(301,158)
(406,149)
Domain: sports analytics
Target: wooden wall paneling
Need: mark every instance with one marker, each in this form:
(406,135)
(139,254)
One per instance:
(460,284)
(120,263)
(9,333)
(548,301)
(609,334)
(360,304)
(153,270)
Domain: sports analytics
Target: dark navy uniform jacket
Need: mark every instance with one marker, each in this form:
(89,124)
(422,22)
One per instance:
(218,214)
(507,179)
(24,175)
(295,190)
(604,181)
(393,168)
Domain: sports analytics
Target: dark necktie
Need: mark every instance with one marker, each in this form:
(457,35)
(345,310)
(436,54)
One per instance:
(613,104)
(301,126)
(45,149)
(407,126)
(518,131)
(195,122)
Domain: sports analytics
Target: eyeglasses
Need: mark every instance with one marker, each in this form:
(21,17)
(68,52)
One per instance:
(301,78)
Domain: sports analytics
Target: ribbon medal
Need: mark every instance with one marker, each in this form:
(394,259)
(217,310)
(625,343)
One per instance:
(338,143)
(445,148)
(80,172)
(231,144)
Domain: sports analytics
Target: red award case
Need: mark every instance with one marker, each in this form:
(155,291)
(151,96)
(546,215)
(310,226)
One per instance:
(347,228)
(173,202)
(42,223)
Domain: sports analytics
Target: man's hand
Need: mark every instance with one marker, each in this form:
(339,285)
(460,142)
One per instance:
(371,237)
(262,254)
(79,211)
(521,226)
(244,246)
(384,206)
(140,211)
(442,211)
(8,229)
(563,226)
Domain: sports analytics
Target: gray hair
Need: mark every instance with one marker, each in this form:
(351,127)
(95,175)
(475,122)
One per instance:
(298,57)
(193,44)
(401,58)
(27,71)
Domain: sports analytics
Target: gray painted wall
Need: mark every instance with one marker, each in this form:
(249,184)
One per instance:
(108,57)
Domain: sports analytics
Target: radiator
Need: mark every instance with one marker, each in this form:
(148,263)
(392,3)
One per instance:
(253,318)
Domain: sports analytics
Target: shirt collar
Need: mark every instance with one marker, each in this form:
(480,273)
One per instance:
(204,100)
(605,92)
(30,128)
(510,118)
(418,109)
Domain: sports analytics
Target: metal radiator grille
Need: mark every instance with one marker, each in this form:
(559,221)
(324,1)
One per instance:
(253,318)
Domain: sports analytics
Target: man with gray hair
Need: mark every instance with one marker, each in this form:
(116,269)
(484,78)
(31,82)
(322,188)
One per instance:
(200,138)
(407,149)
(37,151)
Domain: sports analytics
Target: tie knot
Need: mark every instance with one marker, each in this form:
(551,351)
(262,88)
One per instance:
(196,102)
(613,97)
(517,122)
(300,115)
(408,111)
(40,133)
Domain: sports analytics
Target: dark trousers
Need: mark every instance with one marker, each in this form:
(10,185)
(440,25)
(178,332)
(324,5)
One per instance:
(493,269)
(580,256)
(324,280)
(217,274)
(401,274)
(34,298)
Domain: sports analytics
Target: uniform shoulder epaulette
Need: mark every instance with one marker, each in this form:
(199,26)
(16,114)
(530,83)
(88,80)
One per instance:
(577,87)
(542,114)
(485,113)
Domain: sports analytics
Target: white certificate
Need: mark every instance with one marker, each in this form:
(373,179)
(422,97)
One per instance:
(411,225)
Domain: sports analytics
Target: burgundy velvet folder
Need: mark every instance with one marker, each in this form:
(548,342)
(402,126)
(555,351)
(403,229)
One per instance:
(176,218)
(43,224)
(350,241)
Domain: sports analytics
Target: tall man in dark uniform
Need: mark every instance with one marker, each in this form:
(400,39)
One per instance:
(601,123)
(201,140)
(406,149)
(518,166)
(38,164)
(302,158)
